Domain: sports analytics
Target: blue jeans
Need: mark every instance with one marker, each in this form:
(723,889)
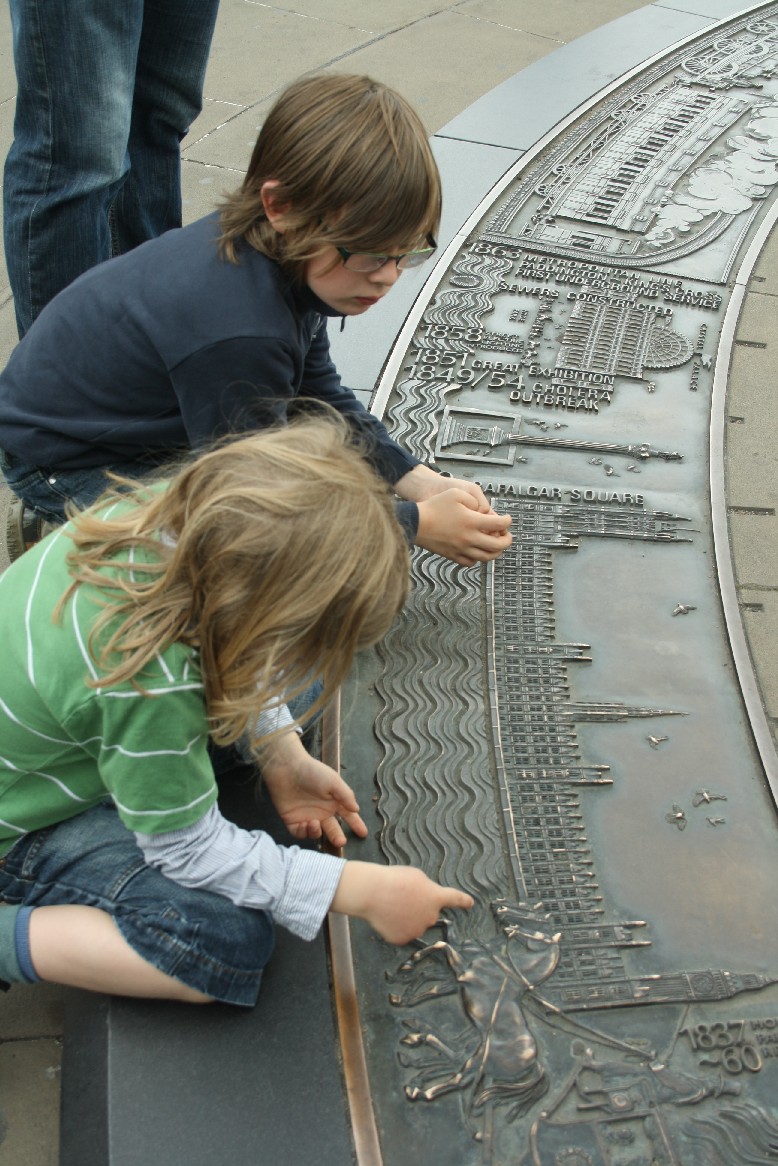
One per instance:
(200,938)
(47,491)
(106,91)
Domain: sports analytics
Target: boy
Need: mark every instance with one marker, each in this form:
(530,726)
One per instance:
(219,326)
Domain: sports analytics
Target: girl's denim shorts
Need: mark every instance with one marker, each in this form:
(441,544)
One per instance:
(200,938)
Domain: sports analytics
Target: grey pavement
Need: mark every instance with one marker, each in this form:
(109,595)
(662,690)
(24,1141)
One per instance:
(465,66)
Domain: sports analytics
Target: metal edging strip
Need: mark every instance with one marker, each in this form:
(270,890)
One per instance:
(364,1130)
(733,619)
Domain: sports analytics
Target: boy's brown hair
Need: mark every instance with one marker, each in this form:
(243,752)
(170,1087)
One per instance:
(353,168)
(280,556)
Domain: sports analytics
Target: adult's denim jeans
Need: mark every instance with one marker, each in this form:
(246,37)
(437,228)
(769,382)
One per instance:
(106,91)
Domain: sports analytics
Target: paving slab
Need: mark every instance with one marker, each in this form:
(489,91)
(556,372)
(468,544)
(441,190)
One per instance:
(765,275)
(372,17)
(32,1010)
(7,75)
(291,43)
(216,113)
(202,187)
(519,112)
(29,1102)
(754,534)
(466,49)
(752,413)
(232,144)
(760,616)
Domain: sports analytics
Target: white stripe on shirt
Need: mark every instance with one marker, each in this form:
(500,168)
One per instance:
(194,686)
(47,776)
(164,813)
(70,741)
(79,637)
(28,609)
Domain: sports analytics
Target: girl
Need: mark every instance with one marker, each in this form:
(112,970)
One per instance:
(216,327)
(165,617)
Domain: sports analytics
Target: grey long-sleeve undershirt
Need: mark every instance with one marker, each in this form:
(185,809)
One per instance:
(246,866)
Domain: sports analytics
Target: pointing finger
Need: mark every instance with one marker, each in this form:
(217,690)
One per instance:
(454,898)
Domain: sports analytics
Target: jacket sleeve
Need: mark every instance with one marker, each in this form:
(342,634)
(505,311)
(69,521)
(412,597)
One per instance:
(247,383)
(322,382)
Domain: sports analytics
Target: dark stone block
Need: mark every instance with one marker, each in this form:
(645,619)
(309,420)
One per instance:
(147,1082)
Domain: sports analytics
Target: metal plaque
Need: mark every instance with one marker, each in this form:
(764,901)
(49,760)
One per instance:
(564,733)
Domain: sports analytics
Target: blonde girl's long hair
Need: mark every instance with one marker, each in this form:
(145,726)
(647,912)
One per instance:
(280,556)
(353,168)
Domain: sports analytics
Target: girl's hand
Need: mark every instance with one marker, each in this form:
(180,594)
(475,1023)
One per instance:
(399,902)
(309,796)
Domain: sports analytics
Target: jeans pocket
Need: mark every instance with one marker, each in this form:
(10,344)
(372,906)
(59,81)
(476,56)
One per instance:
(13,870)
(22,859)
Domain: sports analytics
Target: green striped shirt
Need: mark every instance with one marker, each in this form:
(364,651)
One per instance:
(65,745)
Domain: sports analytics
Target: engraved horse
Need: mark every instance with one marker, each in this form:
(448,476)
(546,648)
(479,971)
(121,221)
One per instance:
(492,977)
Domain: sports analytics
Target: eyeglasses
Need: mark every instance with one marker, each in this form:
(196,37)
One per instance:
(362,261)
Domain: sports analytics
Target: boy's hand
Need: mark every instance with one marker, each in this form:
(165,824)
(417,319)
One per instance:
(422,483)
(308,794)
(455,518)
(452,525)
(399,902)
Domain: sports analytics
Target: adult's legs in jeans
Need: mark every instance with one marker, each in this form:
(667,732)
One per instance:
(170,72)
(75,65)
(106,92)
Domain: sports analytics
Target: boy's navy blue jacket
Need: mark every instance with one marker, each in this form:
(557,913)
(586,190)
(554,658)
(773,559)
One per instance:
(168,347)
